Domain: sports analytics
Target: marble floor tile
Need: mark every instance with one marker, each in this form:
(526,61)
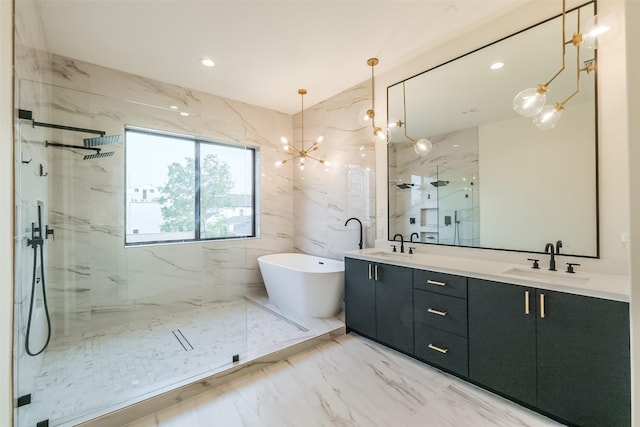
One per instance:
(349,381)
(119,365)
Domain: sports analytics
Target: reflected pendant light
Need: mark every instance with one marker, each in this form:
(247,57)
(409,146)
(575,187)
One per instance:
(421,146)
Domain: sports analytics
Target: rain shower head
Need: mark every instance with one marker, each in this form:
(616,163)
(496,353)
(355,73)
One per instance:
(98,155)
(101,140)
(404,186)
(439,183)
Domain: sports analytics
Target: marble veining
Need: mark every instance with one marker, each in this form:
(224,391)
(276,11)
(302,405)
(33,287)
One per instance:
(349,381)
(124,363)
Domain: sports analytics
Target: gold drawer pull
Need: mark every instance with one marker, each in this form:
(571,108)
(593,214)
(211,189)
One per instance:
(433,282)
(441,350)
(542,313)
(439,313)
(526,302)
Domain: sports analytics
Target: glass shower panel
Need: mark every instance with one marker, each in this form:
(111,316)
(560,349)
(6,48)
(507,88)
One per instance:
(126,322)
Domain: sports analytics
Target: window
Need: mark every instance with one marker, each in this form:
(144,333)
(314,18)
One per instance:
(192,189)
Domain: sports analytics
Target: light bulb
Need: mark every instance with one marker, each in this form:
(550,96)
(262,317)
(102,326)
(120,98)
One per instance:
(320,138)
(600,30)
(393,122)
(381,134)
(422,147)
(365,116)
(530,102)
(278,164)
(286,148)
(284,140)
(301,160)
(549,116)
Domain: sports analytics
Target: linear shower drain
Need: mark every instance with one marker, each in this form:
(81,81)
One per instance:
(184,342)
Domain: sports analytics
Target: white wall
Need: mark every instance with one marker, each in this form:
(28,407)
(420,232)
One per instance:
(6,210)
(633,69)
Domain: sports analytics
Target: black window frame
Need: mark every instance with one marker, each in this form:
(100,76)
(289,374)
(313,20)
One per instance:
(197,141)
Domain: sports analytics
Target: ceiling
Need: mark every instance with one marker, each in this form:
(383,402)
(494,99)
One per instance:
(264,50)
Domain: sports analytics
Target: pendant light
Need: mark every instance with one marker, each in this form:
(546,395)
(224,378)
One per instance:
(303,153)
(369,116)
(532,101)
(421,146)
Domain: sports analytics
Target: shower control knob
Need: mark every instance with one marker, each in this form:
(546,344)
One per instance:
(49,232)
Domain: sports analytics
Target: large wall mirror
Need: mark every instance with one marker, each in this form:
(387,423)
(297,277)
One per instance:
(492,178)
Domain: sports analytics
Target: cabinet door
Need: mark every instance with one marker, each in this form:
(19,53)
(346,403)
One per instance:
(502,353)
(360,297)
(583,359)
(394,307)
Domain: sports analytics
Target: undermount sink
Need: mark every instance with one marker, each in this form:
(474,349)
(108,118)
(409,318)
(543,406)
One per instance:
(390,254)
(558,277)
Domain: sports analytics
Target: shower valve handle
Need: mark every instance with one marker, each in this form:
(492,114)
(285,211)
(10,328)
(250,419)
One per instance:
(35,240)
(49,231)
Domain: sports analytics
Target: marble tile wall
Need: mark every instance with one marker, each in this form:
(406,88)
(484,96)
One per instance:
(94,281)
(326,196)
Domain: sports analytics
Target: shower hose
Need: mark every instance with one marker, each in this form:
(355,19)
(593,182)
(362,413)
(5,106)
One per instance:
(38,243)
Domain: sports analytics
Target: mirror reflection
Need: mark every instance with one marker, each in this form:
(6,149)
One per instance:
(489,177)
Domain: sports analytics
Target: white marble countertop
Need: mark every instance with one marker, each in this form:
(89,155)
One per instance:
(608,286)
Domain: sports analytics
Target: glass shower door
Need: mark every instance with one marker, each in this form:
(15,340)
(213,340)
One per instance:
(127,323)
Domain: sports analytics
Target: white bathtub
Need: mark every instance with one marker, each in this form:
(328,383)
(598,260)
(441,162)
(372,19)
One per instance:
(305,284)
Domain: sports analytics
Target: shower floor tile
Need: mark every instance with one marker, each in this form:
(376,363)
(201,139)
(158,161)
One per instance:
(122,364)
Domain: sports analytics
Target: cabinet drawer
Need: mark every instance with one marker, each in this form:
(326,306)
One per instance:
(442,283)
(440,311)
(441,348)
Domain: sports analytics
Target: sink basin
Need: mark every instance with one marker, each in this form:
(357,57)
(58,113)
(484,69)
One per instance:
(557,277)
(389,254)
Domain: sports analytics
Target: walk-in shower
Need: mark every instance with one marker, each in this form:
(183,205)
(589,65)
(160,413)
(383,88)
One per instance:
(100,325)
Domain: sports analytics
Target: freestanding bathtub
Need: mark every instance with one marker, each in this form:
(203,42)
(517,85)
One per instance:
(305,284)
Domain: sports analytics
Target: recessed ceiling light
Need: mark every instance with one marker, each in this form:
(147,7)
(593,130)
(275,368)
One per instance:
(207,62)
(497,65)
(185,114)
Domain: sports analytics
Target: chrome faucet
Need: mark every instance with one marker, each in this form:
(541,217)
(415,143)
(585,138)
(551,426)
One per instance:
(411,237)
(549,249)
(401,242)
(359,222)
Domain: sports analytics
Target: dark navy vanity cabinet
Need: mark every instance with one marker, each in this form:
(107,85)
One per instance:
(564,355)
(379,302)
(567,355)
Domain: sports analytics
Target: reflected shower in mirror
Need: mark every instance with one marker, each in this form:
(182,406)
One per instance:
(537,186)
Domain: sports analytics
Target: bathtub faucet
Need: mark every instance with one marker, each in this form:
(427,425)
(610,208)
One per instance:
(359,222)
